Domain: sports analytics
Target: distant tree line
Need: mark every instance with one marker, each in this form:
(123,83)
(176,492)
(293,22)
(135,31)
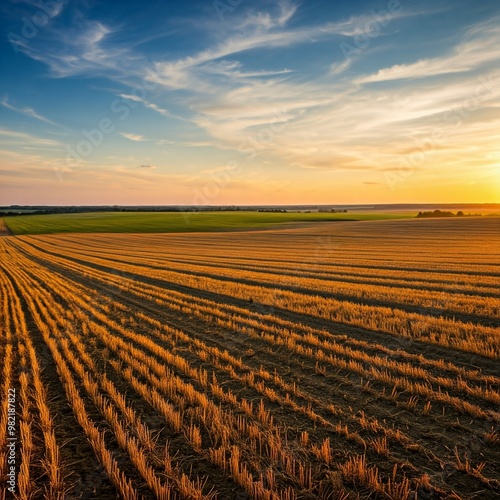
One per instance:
(274,210)
(442,213)
(43,210)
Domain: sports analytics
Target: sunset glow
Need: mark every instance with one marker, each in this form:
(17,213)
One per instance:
(245,102)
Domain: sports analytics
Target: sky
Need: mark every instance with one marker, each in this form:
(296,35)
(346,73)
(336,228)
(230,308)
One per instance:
(249,102)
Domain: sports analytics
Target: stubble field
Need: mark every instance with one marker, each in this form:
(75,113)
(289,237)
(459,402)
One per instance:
(332,360)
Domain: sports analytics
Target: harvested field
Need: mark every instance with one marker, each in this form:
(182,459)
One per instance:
(346,360)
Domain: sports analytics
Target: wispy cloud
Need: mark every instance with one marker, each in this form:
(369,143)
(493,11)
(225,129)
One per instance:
(233,69)
(152,105)
(339,67)
(53,9)
(133,137)
(257,30)
(82,49)
(26,111)
(264,20)
(481,45)
(13,137)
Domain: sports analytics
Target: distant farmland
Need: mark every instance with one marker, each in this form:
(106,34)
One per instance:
(357,360)
(172,222)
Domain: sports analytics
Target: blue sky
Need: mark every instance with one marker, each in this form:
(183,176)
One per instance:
(245,102)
